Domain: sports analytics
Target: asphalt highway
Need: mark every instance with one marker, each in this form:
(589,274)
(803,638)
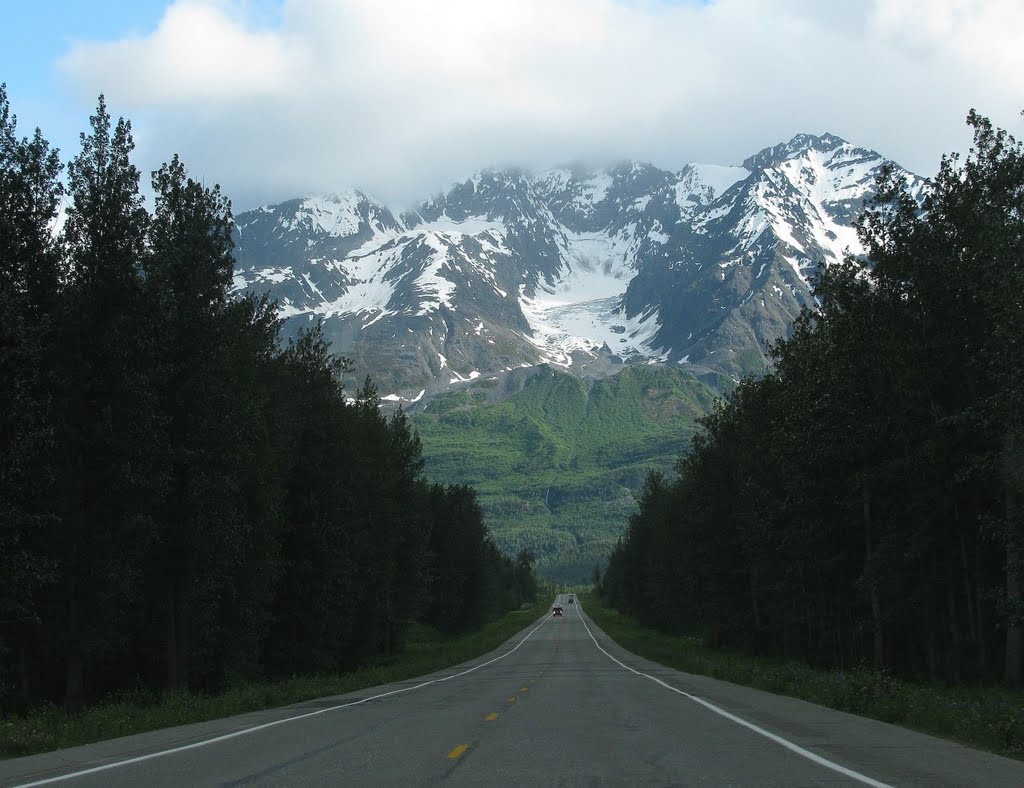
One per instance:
(558,704)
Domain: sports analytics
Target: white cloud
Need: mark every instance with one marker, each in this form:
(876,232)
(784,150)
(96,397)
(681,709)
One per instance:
(198,54)
(398,96)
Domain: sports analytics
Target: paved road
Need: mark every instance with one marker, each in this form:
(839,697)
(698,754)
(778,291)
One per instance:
(559,704)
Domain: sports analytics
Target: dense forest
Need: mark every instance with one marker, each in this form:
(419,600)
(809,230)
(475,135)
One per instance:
(862,502)
(186,501)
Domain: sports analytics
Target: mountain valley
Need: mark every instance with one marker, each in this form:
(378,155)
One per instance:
(485,307)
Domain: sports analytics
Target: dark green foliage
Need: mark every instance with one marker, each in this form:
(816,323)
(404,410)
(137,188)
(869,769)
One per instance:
(860,503)
(30,193)
(471,580)
(107,470)
(185,503)
(134,711)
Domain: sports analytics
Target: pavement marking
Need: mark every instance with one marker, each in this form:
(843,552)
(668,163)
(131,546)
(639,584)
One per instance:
(253,729)
(524,689)
(458,751)
(513,699)
(492,716)
(739,721)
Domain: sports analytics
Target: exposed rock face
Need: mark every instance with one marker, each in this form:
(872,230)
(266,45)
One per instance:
(572,267)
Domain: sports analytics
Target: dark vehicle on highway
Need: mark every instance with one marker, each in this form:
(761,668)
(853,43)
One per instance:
(556,610)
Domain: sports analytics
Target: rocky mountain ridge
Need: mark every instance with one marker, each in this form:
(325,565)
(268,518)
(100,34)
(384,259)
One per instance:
(585,269)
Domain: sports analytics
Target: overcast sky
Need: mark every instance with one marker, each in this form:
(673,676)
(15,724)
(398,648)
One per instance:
(277,98)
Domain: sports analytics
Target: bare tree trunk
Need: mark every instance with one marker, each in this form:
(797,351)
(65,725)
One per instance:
(753,601)
(878,635)
(1015,627)
(74,673)
(983,620)
(821,641)
(74,681)
(972,623)
(954,633)
(931,655)
(172,640)
(177,645)
(181,631)
(178,580)
(24,687)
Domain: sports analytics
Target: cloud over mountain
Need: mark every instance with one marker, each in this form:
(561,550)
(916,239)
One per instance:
(584,269)
(395,96)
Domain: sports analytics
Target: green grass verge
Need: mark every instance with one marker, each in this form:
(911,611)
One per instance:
(989,718)
(51,728)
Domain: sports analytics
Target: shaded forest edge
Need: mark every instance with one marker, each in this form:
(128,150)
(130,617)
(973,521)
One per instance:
(187,504)
(860,504)
(124,713)
(988,718)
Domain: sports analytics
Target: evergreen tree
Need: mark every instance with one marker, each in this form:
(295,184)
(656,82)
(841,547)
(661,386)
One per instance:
(106,422)
(861,502)
(183,502)
(30,193)
(187,273)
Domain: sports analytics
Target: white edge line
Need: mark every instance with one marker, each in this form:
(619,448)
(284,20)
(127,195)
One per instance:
(767,734)
(245,731)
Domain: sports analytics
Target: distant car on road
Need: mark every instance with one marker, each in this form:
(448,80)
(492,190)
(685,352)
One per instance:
(556,610)
(572,599)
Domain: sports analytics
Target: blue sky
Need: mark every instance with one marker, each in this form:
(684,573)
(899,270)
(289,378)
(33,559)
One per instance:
(274,98)
(35,34)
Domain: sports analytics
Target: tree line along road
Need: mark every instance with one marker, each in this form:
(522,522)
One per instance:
(559,703)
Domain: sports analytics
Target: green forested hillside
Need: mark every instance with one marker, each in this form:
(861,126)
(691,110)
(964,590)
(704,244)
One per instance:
(556,464)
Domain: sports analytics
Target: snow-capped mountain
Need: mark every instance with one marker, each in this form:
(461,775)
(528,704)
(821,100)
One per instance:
(508,269)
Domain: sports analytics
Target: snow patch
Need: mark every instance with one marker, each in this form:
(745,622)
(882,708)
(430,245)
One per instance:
(336,215)
(275,275)
(719,177)
(596,188)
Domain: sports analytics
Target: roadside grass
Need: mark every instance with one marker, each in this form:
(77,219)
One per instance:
(988,718)
(50,727)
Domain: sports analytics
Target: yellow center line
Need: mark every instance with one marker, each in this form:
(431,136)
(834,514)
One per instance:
(513,699)
(492,716)
(458,751)
(524,689)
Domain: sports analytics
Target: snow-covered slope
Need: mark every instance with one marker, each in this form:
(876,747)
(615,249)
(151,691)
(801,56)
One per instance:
(631,264)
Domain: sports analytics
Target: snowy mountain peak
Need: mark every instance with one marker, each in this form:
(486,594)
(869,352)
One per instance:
(340,214)
(572,266)
(699,185)
(490,193)
(801,143)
